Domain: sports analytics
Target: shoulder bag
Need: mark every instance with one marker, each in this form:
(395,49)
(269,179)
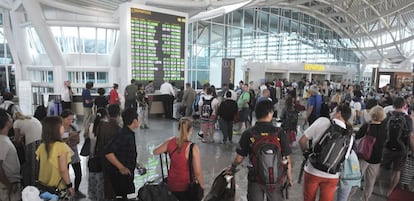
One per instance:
(366,145)
(95,160)
(195,192)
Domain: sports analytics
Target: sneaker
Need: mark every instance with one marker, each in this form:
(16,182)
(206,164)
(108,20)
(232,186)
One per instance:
(146,127)
(79,194)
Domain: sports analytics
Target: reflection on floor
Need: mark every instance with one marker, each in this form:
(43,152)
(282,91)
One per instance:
(214,158)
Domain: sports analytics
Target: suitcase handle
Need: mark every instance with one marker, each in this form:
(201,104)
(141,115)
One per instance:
(166,164)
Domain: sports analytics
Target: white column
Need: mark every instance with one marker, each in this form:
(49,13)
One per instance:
(17,40)
(35,14)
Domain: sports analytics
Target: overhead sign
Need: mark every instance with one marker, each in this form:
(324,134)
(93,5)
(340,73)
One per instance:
(314,67)
(157,46)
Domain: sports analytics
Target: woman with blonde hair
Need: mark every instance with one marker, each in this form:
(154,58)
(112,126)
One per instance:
(28,133)
(178,150)
(54,156)
(370,167)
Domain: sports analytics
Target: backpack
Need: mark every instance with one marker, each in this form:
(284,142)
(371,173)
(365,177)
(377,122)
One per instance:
(397,133)
(10,111)
(325,110)
(351,171)
(252,101)
(267,159)
(290,120)
(195,102)
(207,108)
(328,154)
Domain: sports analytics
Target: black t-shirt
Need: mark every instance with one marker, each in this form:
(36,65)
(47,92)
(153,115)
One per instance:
(227,110)
(244,148)
(380,134)
(101,102)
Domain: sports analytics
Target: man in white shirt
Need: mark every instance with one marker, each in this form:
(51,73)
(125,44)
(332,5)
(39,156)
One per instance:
(233,93)
(10,188)
(66,96)
(315,178)
(167,98)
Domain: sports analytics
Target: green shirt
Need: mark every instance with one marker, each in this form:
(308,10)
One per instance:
(245,97)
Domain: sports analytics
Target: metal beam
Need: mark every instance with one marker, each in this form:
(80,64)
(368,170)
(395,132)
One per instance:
(385,45)
(401,9)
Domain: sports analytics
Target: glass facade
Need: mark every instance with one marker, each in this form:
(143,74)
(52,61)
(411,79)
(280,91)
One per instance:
(263,34)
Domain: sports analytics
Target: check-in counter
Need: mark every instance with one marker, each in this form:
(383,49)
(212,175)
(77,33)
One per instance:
(156,104)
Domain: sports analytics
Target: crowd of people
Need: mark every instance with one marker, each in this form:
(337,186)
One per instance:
(38,151)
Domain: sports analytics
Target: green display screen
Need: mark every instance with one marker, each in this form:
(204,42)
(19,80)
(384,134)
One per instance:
(157,47)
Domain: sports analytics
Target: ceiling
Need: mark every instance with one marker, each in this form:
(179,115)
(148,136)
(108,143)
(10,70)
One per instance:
(381,31)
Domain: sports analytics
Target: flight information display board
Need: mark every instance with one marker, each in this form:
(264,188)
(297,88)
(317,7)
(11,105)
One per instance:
(157,46)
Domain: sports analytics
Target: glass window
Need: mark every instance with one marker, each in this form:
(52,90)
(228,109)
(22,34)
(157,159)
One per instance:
(70,43)
(88,39)
(102,77)
(101,41)
(90,76)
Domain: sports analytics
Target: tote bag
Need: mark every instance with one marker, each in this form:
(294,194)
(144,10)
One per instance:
(365,146)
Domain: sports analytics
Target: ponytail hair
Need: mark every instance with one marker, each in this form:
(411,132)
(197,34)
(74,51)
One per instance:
(100,114)
(184,126)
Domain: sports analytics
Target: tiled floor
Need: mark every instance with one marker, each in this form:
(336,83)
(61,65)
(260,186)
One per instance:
(214,157)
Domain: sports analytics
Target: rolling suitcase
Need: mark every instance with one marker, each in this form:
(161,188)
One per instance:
(157,190)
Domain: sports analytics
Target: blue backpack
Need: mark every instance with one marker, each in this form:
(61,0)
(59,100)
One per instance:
(351,172)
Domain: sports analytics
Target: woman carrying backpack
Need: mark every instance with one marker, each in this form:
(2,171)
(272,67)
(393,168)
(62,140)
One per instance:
(370,166)
(178,149)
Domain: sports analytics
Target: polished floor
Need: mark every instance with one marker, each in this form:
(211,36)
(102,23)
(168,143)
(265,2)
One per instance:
(215,157)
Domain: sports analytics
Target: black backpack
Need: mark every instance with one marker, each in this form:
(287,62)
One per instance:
(290,120)
(252,101)
(10,111)
(329,153)
(325,110)
(397,132)
(207,108)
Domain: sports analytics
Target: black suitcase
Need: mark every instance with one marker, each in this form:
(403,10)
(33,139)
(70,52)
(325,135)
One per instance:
(157,190)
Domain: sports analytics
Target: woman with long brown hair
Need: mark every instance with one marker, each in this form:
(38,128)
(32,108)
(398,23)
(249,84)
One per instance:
(178,150)
(54,156)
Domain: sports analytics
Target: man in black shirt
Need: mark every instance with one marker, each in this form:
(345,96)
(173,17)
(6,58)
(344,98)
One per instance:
(121,153)
(264,114)
(226,112)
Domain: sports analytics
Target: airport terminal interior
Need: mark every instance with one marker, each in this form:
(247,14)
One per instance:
(47,45)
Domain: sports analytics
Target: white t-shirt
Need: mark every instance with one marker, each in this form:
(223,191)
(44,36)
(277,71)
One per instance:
(389,108)
(8,155)
(65,95)
(30,128)
(314,133)
(214,103)
(166,88)
(233,95)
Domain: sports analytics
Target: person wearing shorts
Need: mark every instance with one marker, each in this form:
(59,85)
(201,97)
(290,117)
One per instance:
(207,122)
(243,105)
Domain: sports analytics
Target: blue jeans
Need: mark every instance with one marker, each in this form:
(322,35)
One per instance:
(343,193)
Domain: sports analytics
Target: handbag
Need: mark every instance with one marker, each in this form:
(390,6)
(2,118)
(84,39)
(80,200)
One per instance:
(86,148)
(95,160)
(195,192)
(366,145)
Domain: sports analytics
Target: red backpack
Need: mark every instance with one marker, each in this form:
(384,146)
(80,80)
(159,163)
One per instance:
(266,158)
